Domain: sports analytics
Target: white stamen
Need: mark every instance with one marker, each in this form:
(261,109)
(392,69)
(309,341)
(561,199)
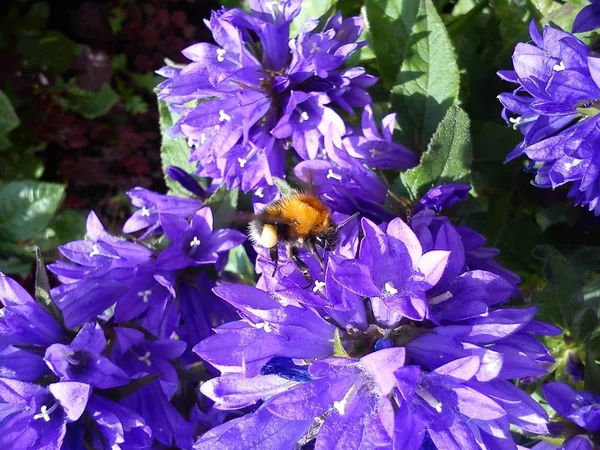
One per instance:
(341,405)
(515,121)
(389,288)
(318,285)
(264,326)
(45,412)
(440,298)
(223,116)
(145,358)
(145,294)
(145,212)
(95,251)
(203,138)
(260,192)
(559,67)
(195,242)
(332,174)
(430,399)
(221,54)
(303,117)
(242,162)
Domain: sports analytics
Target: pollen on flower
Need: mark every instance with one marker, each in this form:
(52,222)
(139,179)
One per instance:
(221,54)
(195,242)
(559,67)
(242,162)
(145,212)
(145,295)
(223,116)
(389,288)
(145,358)
(332,174)
(304,117)
(260,193)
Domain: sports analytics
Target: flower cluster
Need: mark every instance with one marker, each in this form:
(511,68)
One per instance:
(397,333)
(138,308)
(256,93)
(399,342)
(555,106)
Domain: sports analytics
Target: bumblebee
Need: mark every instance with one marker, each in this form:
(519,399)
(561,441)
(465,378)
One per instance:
(299,220)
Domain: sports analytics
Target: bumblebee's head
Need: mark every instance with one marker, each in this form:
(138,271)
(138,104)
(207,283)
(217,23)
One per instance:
(327,239)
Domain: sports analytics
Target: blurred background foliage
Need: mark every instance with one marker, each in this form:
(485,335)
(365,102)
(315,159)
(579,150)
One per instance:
(79,125)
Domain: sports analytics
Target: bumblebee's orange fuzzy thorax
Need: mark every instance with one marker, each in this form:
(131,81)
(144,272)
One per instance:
(306,213)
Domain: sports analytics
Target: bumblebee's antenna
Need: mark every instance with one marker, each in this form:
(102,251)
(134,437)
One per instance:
(346,220)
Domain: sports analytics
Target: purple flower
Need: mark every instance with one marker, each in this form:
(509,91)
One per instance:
(23,321)
(588,18)
(555,108)
(582,408)
(195,243)
(376,151)
(185,180)
(443,196)
(48,417)
(152,204)
(82,360)
(265,91)
(103,267)
(352,360)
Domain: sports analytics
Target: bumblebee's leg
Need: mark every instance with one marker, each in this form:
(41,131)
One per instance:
(274,254)
(292,253)
(310,245)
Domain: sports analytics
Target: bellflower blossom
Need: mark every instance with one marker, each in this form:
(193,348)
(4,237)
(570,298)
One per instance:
(63,410)
(398,344)
(244,101)
(555,107)
(581,411)
(588,18)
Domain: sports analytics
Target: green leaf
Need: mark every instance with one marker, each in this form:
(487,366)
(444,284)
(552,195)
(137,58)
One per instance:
(146,81)
(53,51)
(311,9)
(92,104)
(390,23)
(564,15)
(173,151)
(223,203)
(42,288)
(592,371)
(428,82)
(283,186)
(8,117)
(26,207)
(14,266)
(562,297)
(447,159)
(338,347)
(239,263)
(585,323)
(69,225)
